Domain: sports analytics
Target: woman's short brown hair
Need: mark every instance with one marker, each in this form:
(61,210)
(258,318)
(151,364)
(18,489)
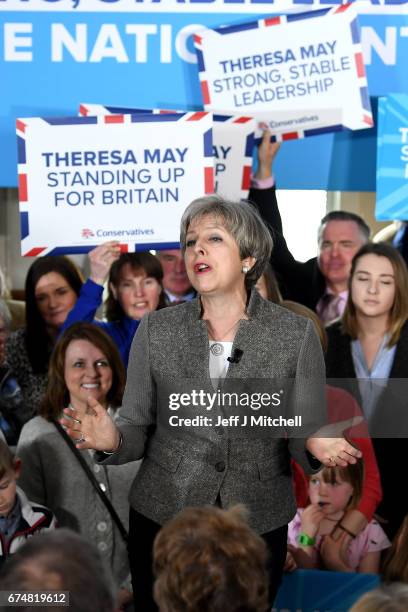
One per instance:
(209,559)
(399,310)
(271,284)
(139,263)
(242,220)
(56,396)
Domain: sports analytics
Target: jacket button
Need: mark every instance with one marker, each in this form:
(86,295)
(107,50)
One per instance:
(220,466)
(219,431)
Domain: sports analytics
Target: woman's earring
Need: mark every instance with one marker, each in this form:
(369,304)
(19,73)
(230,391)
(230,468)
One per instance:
(245,269)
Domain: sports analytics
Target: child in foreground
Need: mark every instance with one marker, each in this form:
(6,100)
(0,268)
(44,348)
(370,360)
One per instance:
(332,492)
(19,518)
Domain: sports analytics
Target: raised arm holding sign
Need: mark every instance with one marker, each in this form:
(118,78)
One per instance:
(301,74)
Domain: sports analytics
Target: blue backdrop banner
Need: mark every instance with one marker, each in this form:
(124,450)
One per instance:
(392,158)
(319,591)
(139,53)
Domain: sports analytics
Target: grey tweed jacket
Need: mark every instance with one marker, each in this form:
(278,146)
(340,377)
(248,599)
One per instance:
(190,466)
(52,476)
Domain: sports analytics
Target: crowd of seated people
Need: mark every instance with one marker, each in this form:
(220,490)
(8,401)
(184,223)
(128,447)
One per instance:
(73,348)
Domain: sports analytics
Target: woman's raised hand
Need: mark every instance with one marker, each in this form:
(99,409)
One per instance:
(94,429)
(332,450)
(101,258)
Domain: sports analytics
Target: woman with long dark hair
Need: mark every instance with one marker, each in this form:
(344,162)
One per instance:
(51,290)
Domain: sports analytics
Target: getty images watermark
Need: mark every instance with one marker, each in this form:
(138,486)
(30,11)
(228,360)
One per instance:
(238,401)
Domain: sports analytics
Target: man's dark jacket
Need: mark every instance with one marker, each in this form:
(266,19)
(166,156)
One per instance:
(298,281)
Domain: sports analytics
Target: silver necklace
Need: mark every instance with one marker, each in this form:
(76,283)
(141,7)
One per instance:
(217,348)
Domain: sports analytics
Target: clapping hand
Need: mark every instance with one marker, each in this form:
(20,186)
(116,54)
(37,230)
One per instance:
(94,429)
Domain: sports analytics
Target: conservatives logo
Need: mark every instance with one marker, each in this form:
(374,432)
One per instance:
(87,233)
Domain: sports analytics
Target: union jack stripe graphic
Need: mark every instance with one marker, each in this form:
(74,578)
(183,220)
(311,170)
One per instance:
(210,101)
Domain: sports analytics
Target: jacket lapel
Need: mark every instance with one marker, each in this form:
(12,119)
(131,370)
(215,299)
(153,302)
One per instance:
(194,353)
(399,367)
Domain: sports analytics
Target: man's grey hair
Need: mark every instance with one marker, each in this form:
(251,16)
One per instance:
(242,221)
(5,314)
(343,215)
(64,561)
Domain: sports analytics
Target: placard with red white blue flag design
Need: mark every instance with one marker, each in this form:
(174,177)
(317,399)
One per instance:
(233,143)
(300,74)
(125,177)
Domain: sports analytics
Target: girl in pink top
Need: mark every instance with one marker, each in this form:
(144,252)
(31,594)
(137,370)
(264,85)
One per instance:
(332,492)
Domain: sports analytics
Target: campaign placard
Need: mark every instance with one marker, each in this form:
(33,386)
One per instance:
(301,74)
(86,180)
(392,158)
(233,142)
(140,53)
